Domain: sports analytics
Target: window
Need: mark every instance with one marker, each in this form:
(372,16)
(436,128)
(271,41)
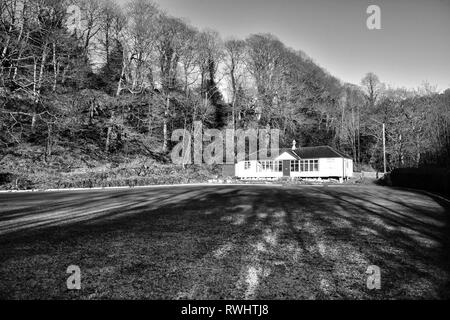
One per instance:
(305,165)
(267,165)
(309,165)
(247,165)
(294,166)
(278,166)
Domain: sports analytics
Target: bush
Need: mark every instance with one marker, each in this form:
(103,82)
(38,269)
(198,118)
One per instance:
(430,179)
(75,168)
(6,178)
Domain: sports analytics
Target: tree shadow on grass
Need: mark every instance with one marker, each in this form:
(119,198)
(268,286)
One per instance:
(298,242)
(413,254)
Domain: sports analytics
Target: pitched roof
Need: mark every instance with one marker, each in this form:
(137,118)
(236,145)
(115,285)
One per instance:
(311,153)
(320,152)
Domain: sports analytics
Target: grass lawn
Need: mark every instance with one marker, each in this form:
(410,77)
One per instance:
(232,242)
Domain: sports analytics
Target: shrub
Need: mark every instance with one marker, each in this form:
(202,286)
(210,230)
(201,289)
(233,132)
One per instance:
(430,179)
(6,178)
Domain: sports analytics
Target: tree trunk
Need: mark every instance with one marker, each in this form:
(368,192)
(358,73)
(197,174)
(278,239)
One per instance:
(8,39)
(150,122)
(33,120)
(21,49)
(33,111)
(48,152)
(42,68)
(233,86)
(359,134)
(64,73)
(122,74)
(55,68)
(109,132)
(107,42)
(165,133)
(37,87)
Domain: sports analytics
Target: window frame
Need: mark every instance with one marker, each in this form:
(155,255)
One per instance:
(295,166)
(309,165)
(278,166)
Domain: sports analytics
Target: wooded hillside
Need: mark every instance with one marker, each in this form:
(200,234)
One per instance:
(91,80)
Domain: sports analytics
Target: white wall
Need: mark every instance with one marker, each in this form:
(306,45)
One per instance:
(328,167)
(349,170)
(252,173)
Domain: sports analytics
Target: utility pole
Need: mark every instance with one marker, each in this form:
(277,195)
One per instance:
(384,144)
(384,147)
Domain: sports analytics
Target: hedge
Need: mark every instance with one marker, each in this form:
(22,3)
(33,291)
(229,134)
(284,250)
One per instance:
(430,179)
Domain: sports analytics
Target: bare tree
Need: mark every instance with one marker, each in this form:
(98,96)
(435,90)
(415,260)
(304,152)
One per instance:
(210,54)
(266,63)
(189,56)
(235,57)
(91,20)
(138,42)
(112,23)
(372,87)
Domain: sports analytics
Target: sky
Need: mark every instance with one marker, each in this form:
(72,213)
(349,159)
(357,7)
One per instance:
(412,46)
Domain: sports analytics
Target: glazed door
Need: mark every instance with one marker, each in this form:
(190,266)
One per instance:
(286,168)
